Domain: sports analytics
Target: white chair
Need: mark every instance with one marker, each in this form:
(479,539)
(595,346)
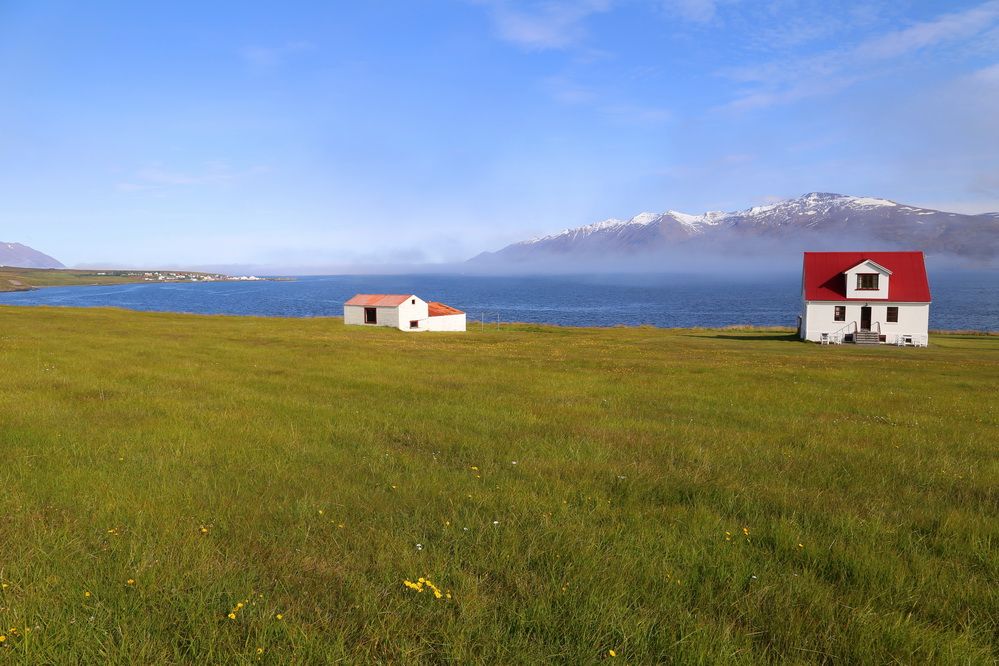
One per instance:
(824,339)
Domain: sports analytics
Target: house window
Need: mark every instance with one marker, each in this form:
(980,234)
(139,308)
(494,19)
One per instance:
(414,323)
(892,317)
(370,315)
(839,313)
(413,301)
(867,281)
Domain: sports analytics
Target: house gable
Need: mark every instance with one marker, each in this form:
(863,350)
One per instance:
(867,280)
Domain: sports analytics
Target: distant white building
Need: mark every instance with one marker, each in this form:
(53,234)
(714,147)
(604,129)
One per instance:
(403,311)
(865,297)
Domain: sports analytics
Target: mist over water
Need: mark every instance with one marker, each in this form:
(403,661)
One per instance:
(961,300)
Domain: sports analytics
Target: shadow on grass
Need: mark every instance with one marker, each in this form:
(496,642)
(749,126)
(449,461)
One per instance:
(774,337)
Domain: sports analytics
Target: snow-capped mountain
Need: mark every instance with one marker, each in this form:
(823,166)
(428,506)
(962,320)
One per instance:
(813,221)
(22,256)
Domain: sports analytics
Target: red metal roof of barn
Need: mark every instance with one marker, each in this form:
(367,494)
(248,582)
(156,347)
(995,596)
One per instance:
(379,300)
(441,310)
(824,280)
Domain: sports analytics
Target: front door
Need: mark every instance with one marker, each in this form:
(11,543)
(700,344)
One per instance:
(865,318)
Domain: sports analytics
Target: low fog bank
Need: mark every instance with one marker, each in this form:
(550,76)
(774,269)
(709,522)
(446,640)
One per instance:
(732,258)
(756,256)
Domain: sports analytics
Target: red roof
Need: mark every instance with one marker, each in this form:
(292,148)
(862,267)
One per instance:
(823,277)
(441,310)
(379,300)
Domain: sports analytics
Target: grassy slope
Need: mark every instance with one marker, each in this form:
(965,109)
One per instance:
(317,457)
(20,279)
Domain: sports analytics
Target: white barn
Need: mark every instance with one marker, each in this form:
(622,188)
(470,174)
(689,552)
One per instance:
(406,312)
(865,298)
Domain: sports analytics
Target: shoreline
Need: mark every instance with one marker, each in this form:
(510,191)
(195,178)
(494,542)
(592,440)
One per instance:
(471,327)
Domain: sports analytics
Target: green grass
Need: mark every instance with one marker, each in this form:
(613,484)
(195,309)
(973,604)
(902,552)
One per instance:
(316,457)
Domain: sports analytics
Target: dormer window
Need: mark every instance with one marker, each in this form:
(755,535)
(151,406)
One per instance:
(867,281)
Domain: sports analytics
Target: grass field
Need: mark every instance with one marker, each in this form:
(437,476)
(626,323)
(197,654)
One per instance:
(209,489)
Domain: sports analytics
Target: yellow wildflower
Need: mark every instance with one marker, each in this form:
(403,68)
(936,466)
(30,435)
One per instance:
(86,594)
(612,653)
(232,616)
(260,650)
(130,581)
(2,638)
(279,616)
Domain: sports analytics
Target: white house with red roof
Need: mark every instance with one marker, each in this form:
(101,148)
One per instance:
(407,312)
(865,297)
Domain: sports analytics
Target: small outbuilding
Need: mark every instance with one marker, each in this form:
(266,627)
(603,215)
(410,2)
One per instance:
(865,297)
(407,312)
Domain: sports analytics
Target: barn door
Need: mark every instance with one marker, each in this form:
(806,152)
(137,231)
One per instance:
(865,318)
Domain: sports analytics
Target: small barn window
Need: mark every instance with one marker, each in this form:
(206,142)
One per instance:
(370,315)
(892,314)
(839,313)
(867,281)
(413,301)
(414,323)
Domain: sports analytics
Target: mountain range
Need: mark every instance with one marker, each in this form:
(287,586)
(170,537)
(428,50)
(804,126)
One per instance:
(22,256)
(815,221)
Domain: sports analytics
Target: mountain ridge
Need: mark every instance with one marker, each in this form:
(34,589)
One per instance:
(817,220)
(17,255)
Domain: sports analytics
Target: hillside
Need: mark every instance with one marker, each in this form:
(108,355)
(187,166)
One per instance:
(229,489)
(22,256)
(812,222)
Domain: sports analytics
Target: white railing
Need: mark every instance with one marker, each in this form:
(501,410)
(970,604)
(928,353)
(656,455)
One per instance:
(837,336)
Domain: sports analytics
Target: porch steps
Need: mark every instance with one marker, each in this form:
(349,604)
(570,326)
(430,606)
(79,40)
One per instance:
(867,337)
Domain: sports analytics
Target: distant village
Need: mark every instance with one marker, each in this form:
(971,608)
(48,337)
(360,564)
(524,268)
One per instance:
(178,276)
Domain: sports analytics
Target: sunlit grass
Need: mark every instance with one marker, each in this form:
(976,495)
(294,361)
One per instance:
(213,489)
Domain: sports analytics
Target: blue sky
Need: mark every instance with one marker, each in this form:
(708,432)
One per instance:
(327,134)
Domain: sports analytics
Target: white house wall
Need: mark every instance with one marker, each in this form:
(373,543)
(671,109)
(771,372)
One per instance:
(913,319)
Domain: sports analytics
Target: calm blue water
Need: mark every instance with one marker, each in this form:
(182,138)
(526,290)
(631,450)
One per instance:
(961,300)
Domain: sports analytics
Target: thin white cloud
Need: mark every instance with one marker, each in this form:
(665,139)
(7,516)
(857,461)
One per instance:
(571,93)
(263,58)
(698,11)
(555,24)
(156,177)
(831,71)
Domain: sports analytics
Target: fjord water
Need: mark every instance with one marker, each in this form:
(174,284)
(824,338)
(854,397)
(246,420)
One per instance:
(961,300)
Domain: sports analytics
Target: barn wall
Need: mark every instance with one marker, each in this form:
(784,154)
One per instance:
(353,314)
(446,323)
(409,311)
